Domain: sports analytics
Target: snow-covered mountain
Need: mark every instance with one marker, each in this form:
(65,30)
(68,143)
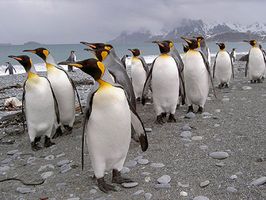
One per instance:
(212,31)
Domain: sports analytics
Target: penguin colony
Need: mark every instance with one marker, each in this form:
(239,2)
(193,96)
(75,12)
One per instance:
(49,102)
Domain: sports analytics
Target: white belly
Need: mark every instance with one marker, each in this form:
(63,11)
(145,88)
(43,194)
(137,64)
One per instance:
(223,70)
(196,79)
(138,75)
(108,130)
(65,95)
(165,85)
(256,65)
(39,108)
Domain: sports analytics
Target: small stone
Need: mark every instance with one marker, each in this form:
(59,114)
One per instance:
(138,192)
(25,190)
(50,157)
(196,138)
(220,164)
(246,88)
(162,186)
(216,125)
(4,169)
(62,162)
(164,179)
(148,196)
(183,194)
(231,189)
(233,177)
(60,184)
(147,179)
(31,160)
(60,155)
(146,173)
(259,181)
(203,147)
(45,175)
(129,185)
(12,152)
(218,110)
(131,163)
(74,198)
(65,168)
(6,161)
(225,99)
(157,165)
(190,115)
(204,183)
(125,170)
(93,191)
(206,114)
(143,161)
(148,129)
(219,155)
(186,128)
(186,134)
(215,117)
(183,185)
(42,168)
(200,198)
(138,157)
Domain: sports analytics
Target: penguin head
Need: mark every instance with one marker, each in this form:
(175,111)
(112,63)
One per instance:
(221,45)
(136,52)
(251,42)
(192,44)
(94,45)
(99,53)
(171,44)
(42,52)
(24,60)
(8,62)
(72,51)
(91,66)
(185,48)
(163,46)
(199,38)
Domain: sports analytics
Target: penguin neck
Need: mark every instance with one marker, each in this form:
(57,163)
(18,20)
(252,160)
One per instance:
(222,50)
(165,54)
(254,46)
(50,62)
(103,84)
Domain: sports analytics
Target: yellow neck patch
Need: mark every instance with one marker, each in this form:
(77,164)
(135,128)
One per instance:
(222,50)
(165,55)
(101,67)
(49,66)
(104,54)
(45,52)
(104,85)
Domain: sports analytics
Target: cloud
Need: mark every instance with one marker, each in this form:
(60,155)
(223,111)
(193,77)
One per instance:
(68,21)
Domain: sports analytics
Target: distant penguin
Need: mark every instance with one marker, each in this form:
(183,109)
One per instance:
(196,75)
(123,60)
(109,114)
(116,69)
(255,67)
(233,54)
(71,58)
(204,49)
(10,68)
(223,67)
(139,72)
(164,78)
(63,87)
(40,105)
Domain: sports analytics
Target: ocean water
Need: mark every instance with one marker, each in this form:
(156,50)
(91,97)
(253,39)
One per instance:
(62,51)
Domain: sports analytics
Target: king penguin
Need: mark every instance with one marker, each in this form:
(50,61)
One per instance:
(255,67)
(223,67)
(196,75)
(139,72)
(63,88)
(233,54)
(40,105)
(116,69)
(164,78)
(108,118)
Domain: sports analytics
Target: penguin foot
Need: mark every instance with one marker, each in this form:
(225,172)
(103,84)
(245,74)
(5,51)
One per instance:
(138,100)
(190,109)
(164,115)
(260,80)
(159,119)
(103,186)
(35,146)
(37,139)
(58,133)
(171,118)
(226,85)
(117,178)
(47,142)
(68,129)
(220,86)
(200,110)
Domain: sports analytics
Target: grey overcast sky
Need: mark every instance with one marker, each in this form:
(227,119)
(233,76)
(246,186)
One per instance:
(71,21)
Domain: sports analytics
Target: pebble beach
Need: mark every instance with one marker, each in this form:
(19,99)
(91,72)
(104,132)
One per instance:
(217,155)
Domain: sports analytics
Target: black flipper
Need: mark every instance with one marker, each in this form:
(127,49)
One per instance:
(147,83)
(144,64)
(246,68)
(23,112)
(208,69)
(86,118)
(214,65)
